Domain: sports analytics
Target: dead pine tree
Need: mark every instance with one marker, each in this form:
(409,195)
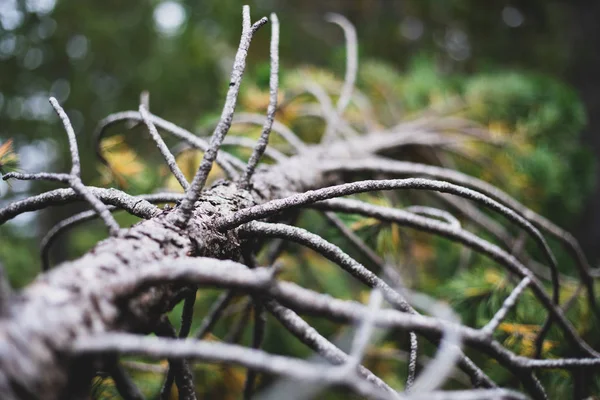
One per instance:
(81,316)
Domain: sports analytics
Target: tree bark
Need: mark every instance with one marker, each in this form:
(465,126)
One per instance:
(85,296)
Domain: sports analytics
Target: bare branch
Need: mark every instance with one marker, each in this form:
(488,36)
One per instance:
(277,127)
(437,371)
(250,144)
(75,179)
(336,255)
(412,361)
(258,334)
(318,343)
(135,205)
(508,304)
(155,347)
(183,213)
(123,382)
(365,330)
(186,324)
(471,240)
(263,141)
(351,59)
(328,112)
(226,161)
(76,165)
(491,394)
(179,370)
(41,176)
(164,150)
(214,314)
(435,212)
(401,167)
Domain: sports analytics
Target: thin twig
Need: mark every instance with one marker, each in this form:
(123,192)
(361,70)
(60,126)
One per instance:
(508,304)
(412,361)
(263,141)
(227,162)
(186,324)
(448,353)
(125,386)
(182,374)
(40,176)
(138,206)
(435,212)
(214,314)
(364,331)
(76,164)
(334,123)
(351,65)
(286,133)
(258,334)
(164,150)
(75,179)
(318,343)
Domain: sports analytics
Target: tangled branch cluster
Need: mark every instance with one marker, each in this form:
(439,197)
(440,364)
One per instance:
(79,317)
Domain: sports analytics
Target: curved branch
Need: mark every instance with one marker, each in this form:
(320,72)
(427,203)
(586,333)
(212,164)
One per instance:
(274,206)
(384,166)
(227,162)
(351,59)
(335,254)
(223,353)
(135,205)
(286,133)
(492,251)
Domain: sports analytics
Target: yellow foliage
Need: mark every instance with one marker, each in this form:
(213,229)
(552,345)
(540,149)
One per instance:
(122,160)
(499,130)
(494,277)
(363,223)
(524,335)
(7,155)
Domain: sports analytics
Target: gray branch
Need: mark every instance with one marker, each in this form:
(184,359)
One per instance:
(183,213)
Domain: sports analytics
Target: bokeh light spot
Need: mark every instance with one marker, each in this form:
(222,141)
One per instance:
(169,17)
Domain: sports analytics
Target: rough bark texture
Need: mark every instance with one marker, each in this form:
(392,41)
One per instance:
(80,298)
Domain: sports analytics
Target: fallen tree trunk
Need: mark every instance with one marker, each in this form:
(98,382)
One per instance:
(72,321)
(84,297)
